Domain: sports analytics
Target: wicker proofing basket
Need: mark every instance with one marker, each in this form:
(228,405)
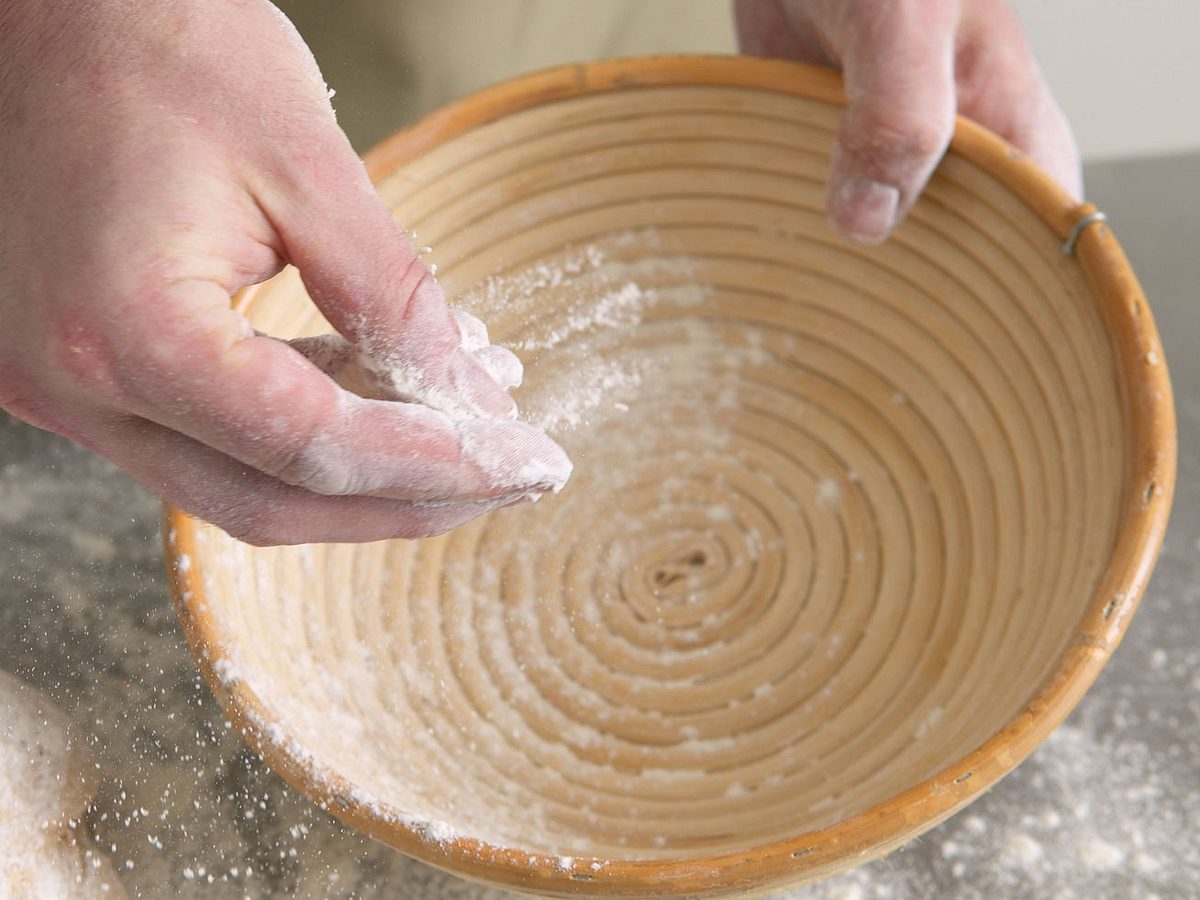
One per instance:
(851,530)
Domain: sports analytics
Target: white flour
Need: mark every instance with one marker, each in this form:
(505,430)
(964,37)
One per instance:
(510,456)
(46,781)
(602,299)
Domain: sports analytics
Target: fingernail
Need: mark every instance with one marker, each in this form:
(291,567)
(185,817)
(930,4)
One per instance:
(503,365)
(864,210)
(479,392)
(472,330)
(512,458)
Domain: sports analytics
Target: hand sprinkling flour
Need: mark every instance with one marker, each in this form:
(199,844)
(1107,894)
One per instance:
(156,159)
(516,458)
(379,376)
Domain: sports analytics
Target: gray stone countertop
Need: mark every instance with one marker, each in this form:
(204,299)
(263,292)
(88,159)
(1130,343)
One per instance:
(1109,806)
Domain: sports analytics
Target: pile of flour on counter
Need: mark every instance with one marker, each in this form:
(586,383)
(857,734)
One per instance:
(46,781)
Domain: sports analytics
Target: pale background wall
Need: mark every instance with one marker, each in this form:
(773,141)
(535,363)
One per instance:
(1127,72)
(391,61)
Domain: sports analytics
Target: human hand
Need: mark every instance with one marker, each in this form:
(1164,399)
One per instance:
(157,157)
(909,65)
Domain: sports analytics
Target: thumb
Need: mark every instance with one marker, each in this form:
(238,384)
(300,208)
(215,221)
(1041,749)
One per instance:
(898,61)
(365,276)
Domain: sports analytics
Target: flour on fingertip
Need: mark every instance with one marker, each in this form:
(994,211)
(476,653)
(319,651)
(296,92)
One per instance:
(514,456)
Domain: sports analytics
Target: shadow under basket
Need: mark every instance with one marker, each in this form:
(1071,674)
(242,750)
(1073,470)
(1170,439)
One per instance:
(851,529)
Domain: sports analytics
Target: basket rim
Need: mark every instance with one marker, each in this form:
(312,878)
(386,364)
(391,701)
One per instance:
(1145,509)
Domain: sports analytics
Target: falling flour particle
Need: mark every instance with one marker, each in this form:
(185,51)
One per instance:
(928,722)
(719,513)
(577,314)
(828,492)
(727,398)
(1146,864)
(1099,855)
(670,776)
(1022,850)
(568,405)
(618,308)
(976,825)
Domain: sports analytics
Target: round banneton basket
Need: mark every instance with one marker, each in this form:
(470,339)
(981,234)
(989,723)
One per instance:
(850,531)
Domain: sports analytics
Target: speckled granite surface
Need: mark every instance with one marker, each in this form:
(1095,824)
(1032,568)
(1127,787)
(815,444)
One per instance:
(1108,807)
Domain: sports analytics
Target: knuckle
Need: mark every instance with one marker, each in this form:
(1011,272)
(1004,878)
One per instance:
(81,354)
(306,157)
(418,527)
(126,346)
(261,525)
(890,141)
(423,326)
(304,442)
(416,289)
(434,521)
(310,461)
(926,139)
(257,536)
(311,155)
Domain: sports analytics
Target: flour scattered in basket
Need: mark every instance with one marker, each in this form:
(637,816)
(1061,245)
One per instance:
(565,315)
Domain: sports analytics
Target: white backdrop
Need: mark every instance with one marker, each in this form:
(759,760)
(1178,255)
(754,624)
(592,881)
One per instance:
(1127,72)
